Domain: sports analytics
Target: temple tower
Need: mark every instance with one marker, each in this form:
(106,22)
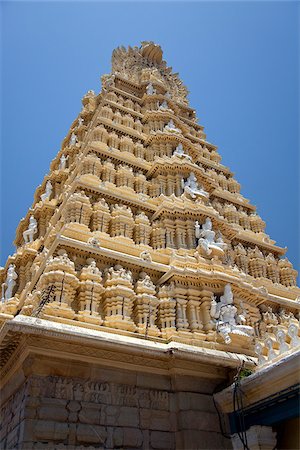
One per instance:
(142,278)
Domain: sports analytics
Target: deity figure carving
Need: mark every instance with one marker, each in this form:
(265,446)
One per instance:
(179,151)
(170,127)
(10,283)
(73,139)
(145,306)
(80,121)
(293,334)
(48,191)
(164,105)
(63,161)
(30,232)
(259,351)
(207,243)
(227,320)
(146,256)
(192,188)
(286,318)
(283,346)
(150,89)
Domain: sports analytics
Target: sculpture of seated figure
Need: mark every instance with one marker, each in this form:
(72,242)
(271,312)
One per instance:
(150,89)
(9,283)
(227,320)
(30,232)
(48,191)
(179,151)
(163,106)
(206,239)
(73,139)
(192,188)
(63,161)
(171,127)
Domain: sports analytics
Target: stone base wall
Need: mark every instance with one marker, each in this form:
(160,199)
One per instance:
(140,411)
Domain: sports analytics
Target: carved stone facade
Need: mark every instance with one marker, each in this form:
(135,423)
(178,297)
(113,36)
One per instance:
(138,231)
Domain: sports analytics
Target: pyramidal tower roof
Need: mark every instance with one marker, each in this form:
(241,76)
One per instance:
(139,231)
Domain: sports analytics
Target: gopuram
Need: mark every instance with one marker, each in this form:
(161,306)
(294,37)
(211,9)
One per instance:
(145,307)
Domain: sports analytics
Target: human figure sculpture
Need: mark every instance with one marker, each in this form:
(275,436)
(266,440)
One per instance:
(192,188)
(259,351)
(269,346)
(48,191)
(283,347)
(10,282)
(30,232)
(293,334)
(171,127)
(163,106)
(179,151)
(80,121)
(227,320)
(63,161)
(150,89)
(73,139)
(206,239)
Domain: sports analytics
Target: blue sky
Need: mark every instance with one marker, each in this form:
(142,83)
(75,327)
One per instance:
(238,59)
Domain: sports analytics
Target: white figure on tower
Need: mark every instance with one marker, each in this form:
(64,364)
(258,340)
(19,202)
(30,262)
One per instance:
(80,121)
(9,283)
(150,89)
(171,127)
(63,161)
(206,239)
(31,230)
(192,188)
(73,139)
(227,319)
(179,151)
(48,191)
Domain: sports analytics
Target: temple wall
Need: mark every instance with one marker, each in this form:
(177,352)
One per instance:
(111,409)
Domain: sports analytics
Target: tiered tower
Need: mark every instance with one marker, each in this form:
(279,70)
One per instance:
(142,277)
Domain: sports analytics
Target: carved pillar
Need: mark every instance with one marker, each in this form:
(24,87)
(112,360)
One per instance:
(101,216)
(78,209)
(90,292)
(145,308)
(206,297)
(118,299)
(60,273)
(122,222)
(167,312)
(142,229)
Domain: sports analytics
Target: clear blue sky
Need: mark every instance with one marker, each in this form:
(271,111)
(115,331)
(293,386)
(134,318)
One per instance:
(238,59)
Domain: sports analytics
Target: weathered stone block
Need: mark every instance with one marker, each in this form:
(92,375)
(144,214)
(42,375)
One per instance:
(91,434)
(162,440)
(45,430)
(198,420)
(127,437)
(157,420)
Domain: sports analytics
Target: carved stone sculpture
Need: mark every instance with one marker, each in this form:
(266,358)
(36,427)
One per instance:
(179,152)
(31,230)
(170,127)
(227,320)
(63,161)
(48,191)
(192,188)
(10,283)
(90,292)
(207,244)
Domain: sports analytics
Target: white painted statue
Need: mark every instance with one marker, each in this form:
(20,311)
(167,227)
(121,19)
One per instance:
(73,139)
(283,346)
(10,282)
(48,191)
(192,188)
(63,161)
(227,320)
(31,230)
(179,151)
(150,89)
(163,106)
(293,334)
(206,239)
(80,121)
(171,127)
